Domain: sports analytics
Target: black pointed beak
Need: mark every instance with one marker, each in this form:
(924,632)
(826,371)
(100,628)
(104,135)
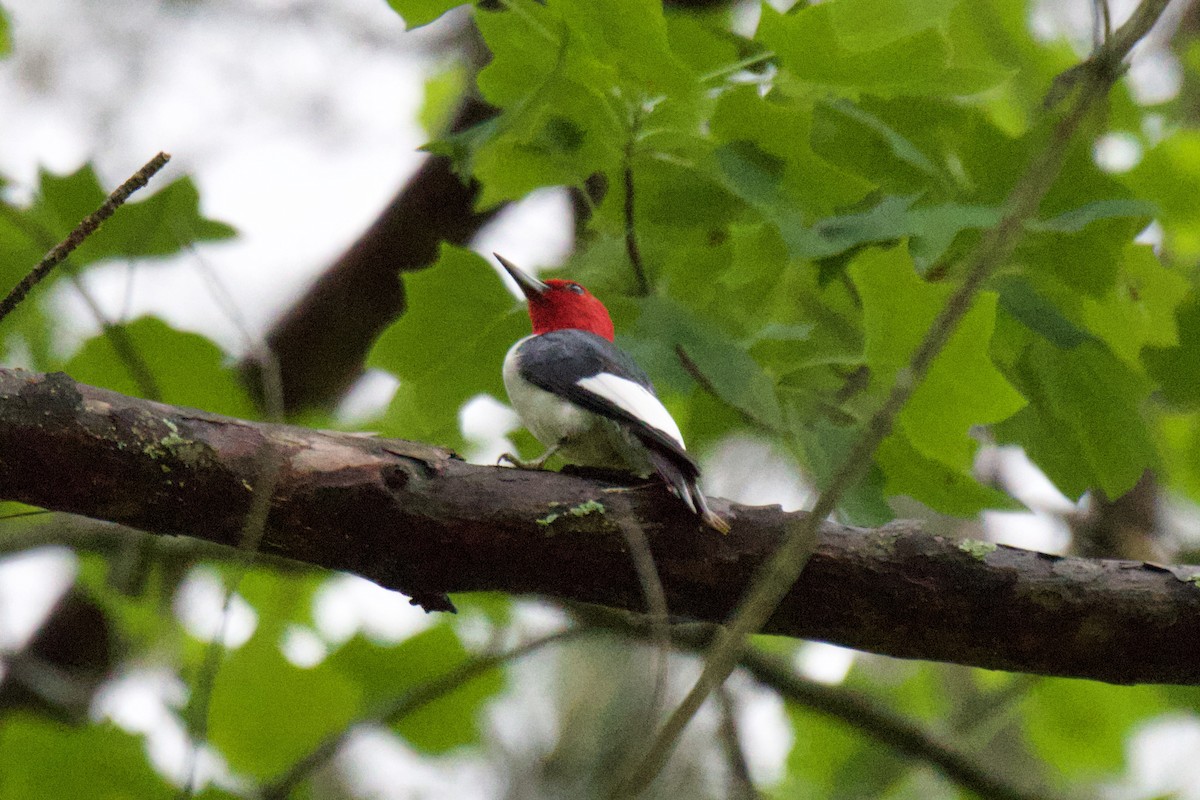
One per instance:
(530,286)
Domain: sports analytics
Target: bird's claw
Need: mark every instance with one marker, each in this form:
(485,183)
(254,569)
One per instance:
(518,463)
(511,459)
(537,463)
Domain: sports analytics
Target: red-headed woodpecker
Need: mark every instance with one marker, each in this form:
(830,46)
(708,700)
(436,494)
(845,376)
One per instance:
(588,401)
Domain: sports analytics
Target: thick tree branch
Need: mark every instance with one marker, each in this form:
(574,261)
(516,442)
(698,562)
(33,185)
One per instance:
(322,341)
(414,518)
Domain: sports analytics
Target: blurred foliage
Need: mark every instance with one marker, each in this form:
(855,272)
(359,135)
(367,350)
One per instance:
(805,195)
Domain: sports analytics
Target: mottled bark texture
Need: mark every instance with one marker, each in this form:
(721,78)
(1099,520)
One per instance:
(414,518)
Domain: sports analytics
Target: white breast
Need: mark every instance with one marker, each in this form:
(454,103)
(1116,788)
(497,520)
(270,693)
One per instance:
(548,417)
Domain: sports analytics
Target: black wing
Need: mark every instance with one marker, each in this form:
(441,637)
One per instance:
(558,360)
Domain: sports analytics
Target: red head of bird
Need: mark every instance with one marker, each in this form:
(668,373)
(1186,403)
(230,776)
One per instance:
(556,305)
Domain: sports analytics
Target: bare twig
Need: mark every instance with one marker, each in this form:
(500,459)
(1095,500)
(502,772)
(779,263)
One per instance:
(631,242)
(657,613)
(864,714)
(741,785)
(116,335)
(871,718)
(126,351)
(82,231)
(776,577)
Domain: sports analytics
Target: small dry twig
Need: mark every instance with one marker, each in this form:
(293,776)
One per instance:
(82,231)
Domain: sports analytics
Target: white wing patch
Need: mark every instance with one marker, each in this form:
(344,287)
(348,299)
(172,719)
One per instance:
(634,399)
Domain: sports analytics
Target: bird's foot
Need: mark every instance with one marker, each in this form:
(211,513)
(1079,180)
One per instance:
(536,463)
(518,463)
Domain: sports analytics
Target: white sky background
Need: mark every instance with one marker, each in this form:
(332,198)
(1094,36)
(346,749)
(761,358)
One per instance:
(297,120)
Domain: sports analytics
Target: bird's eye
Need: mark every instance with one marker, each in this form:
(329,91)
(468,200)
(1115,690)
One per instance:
(575,287)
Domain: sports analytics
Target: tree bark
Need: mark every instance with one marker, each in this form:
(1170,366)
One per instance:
(414,518)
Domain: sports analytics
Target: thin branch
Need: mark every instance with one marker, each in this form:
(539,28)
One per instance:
(776,577)
(196,713)
(871,718)
(741,784)
(657,613)
(631,242)
(865,715)
(126,351)
(393,711)
(106,538)
(82,231)
(139,371)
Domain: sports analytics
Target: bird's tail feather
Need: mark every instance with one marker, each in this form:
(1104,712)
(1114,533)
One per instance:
(683,484)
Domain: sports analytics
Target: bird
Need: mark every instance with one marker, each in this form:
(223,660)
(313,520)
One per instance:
(587,400)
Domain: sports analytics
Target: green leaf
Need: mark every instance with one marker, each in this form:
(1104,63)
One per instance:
(443,92)
(1139,311)
(899,145)
(5,38)
(43,758)
(669,331)
(157,225)
(777,130)
(187,368)
(571,77)
(1178,438)
(386,673)
(760,178)
(1020,299)
(566,137)
(973,156)
(678,195)
(1177,198)
(595,46)
(162,224)
(449,346)
(1058,714)
(1089,220)
(885,48)
(1077,219)
(963,388)
(1177,369)
(930,229)
(942,488)
(754,174)
(703,41)
(422,12)
(826,447)
(1084,424)
(265,713)
(758,256)
(820,748)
